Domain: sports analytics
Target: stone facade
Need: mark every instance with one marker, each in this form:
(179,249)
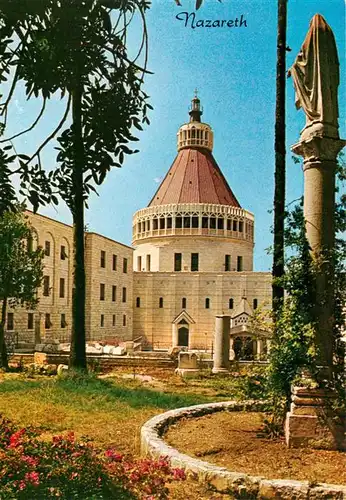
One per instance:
(160,308)
(108,311)
(192,259)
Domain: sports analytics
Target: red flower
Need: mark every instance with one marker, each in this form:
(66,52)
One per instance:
(113,455)
(15,439)
(33,478)
(179,474)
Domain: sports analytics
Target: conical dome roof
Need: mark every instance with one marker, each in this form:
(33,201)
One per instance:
(194,176)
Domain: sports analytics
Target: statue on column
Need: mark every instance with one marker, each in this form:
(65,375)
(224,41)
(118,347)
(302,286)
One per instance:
(315,74)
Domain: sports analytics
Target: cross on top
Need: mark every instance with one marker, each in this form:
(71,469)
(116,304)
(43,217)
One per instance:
(196,92)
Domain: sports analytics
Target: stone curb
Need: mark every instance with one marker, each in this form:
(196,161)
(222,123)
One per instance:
(222,479)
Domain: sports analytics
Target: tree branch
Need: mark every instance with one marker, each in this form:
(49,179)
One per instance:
(52,135)
(31,126)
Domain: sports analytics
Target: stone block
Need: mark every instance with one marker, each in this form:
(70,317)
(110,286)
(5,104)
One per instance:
(62,369)
(40,358)
(119,350)
(311,431)
(187,372)
(188,360)
(327,491)
(283,489)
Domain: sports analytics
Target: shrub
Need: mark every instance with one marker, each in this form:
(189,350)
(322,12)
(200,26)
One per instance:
(67,469)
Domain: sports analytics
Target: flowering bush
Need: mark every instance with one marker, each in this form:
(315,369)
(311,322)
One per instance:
(64,468)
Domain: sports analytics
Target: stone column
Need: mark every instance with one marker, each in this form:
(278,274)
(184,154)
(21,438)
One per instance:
(259,348)
(221,344)
(319,153)
(175,337)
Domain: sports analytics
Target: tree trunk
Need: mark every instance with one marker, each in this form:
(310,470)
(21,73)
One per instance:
(77,353)
(3,349)
(280,160)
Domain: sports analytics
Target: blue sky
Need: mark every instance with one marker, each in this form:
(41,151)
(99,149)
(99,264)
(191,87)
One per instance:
(234,71)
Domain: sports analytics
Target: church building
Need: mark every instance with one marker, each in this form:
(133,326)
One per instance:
(191,259)
(193,249)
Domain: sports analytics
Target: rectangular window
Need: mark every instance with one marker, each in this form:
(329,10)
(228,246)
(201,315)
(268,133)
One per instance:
(114,266)
(124,295)
(255,303)
(46,289)
(124,319)
(139,263)
(30,321)
(47,248)
(114,293)
(177,262)
(103,259)
(102,320)
(183,303)
(63,320)
(63,253)
(113,320)
(102,291)
(47,321)
(194,262)
(148,263)
(161,302)
(195,222)
(239,263)
(227,262)
(207,303)
(230,304)
(138,302)
(62,288)
(10,321)
(124,265)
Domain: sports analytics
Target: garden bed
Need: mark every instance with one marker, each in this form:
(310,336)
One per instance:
(230,439)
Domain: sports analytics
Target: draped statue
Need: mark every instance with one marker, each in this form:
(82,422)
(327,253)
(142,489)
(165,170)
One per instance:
(315,74)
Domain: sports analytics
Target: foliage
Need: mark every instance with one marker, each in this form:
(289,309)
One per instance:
(64,468)
(21,268)
(246,382)
(294,349)
(37,42)
(78,49)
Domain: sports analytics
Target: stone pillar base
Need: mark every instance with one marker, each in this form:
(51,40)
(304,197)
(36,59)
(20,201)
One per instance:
(220,370)
(312,423)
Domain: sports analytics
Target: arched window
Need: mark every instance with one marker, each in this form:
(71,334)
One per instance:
(183,303)
(230,304)
(138,302)
(255,303)
(207,303)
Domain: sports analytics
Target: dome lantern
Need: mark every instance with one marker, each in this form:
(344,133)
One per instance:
(195,133)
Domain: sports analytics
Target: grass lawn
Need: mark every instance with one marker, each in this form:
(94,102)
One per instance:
(109,410)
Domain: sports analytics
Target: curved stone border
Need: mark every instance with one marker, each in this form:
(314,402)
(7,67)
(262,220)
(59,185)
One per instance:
(220,478)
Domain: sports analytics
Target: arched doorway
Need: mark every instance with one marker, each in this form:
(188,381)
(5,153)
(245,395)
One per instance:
(183,333)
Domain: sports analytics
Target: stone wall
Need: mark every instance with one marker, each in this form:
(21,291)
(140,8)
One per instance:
(117,314)
(155,322)
(211,253)
(57,239)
